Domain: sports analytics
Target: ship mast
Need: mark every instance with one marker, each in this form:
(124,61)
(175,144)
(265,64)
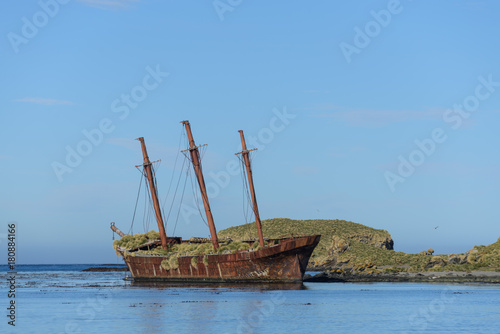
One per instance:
(244,153)
(195,158)
(154,194)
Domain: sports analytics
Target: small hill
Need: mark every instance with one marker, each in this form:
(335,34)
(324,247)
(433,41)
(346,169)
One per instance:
(337,235)
(348,246)
(344,247)
(478,258)
(368,258)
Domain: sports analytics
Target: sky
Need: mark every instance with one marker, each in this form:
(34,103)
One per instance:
(384,113)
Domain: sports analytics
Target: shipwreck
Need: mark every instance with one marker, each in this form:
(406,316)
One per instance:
(162,258)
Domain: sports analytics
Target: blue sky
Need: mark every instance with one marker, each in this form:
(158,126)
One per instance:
(384,113)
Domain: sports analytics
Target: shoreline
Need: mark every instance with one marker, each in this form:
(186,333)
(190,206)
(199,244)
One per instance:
(490,277)
(418,277)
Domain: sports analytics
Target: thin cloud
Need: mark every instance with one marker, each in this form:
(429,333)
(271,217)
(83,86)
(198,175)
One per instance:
(316,91)
(448,169)
(128,143)
(305,170)
(109,4)
(371,118)
(345,151)
(43,101)
(474,4)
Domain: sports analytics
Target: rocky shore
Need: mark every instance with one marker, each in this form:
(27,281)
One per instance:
(420,277)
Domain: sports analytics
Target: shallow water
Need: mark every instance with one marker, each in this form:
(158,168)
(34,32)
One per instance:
(62,299)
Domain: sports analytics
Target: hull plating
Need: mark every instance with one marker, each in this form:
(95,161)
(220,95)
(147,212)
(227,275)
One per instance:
(284,262)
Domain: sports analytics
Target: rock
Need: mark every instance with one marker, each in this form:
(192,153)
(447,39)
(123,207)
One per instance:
(457,259)
(379,242)
(339,245)
(472,257)
(435,262)
(388,244)
(430,251)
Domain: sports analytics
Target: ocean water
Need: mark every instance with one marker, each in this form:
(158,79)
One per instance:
(63,299)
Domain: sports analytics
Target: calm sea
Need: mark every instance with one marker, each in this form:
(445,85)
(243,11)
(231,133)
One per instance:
(63,299)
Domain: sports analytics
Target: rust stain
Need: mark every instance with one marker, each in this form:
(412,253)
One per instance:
(284,262)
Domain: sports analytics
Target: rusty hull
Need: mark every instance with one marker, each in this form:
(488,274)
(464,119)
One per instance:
(284,262)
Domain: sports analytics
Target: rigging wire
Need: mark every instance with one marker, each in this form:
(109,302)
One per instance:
(248,206)
(180,206)
(131,231)
(195,193)
(203,149)
(173,172)
(206,192)
(187,154)
(175,194)
(242,174)
(250,201)
(145,205)
(153,172)
(195,196)
(148,209)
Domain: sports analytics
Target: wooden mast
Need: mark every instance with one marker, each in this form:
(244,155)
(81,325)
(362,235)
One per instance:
(154,194)
(195,158)
(244,153)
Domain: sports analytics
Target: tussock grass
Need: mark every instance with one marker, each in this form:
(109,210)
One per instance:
(343,244)
(173,253)
(323,254)
(131,241)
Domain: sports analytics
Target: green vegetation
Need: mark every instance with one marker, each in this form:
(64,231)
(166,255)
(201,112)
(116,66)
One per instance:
(173,253)
(135,240)
(344,246)
(171,262)
(322,255)
(194,262)
(485,258)
(130,242)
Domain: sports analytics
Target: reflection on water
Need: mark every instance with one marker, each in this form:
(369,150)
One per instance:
(59,301)
(218,286)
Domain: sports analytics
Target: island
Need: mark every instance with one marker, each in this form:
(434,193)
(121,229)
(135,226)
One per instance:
(351,252)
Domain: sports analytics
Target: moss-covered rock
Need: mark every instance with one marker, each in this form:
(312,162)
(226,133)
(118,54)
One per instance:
(336,235)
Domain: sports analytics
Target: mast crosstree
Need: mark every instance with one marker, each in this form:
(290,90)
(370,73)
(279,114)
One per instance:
(244,153)
(195,158)
(154,194)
